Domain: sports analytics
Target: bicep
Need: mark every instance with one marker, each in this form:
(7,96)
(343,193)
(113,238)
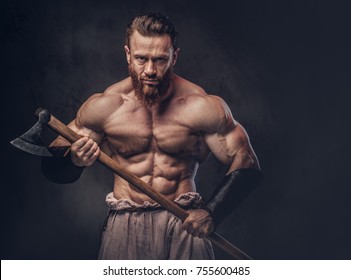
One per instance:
(226,138)
(79,129)
(232,147)
(87,122)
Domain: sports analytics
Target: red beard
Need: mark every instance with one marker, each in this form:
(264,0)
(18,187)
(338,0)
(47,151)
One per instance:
(150,94)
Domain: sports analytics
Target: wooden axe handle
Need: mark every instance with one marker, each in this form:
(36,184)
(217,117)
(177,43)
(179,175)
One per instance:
(176,210)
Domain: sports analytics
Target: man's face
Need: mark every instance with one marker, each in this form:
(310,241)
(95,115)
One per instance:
(151,61)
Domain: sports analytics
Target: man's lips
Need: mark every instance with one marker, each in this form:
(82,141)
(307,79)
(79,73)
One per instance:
(150,82)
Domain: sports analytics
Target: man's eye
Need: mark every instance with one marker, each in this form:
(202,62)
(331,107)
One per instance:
(160,60)
(141,59)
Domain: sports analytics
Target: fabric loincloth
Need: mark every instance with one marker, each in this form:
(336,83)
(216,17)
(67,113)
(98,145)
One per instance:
(147,231)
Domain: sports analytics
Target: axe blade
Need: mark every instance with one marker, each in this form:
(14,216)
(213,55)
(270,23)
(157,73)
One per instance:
(30,141)
(31,148)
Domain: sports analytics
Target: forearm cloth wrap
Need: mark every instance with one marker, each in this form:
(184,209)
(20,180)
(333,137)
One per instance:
(59,168)
(234,189)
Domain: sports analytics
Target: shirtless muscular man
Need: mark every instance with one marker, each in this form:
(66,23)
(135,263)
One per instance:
(160,127)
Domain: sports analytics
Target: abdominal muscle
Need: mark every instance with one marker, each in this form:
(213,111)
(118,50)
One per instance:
(165,174)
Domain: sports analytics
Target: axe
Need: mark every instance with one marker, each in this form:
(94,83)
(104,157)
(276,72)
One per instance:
(31,142)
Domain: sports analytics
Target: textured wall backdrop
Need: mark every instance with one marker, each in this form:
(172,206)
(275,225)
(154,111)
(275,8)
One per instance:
(282,67)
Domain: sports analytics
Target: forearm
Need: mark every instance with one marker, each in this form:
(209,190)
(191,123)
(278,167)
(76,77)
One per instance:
(59,168)
(235,187)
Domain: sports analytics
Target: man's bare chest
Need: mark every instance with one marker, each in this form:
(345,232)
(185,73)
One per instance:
(138,131)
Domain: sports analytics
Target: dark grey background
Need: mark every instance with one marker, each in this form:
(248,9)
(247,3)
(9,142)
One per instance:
(282,66)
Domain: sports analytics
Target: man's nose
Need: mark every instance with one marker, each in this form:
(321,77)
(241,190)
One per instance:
(150,68)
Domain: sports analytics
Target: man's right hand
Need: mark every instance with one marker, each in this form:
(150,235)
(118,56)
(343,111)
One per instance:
(84,151)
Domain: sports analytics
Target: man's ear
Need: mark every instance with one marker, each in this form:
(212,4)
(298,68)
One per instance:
(175,56)
(126,49)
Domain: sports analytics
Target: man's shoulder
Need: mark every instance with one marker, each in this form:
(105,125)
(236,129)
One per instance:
(185,87)
(202,109)
(110,97)
(195,96)
(100,105)
(119,88)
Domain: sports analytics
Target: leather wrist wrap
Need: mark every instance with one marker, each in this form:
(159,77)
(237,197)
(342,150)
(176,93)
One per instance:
(234,189)
(59,168)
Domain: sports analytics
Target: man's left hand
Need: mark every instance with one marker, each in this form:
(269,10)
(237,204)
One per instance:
(199,223)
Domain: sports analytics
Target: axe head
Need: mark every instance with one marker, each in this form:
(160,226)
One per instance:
(30,141)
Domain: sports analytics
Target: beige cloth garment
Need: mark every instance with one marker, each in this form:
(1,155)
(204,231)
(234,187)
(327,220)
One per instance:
(147,232)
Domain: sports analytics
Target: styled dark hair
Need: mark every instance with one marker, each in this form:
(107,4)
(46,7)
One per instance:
(152,24)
